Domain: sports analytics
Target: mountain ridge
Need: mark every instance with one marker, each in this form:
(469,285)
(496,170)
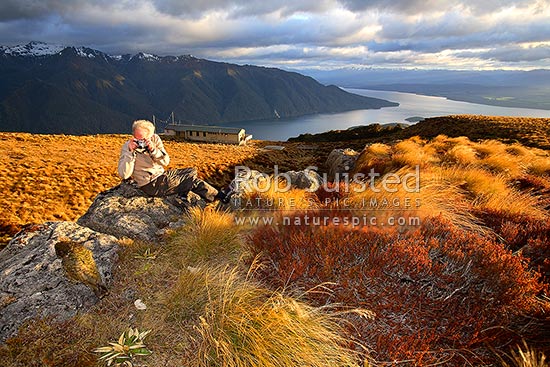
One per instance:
(78,90)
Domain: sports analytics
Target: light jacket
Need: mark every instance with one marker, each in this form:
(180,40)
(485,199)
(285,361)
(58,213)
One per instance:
(143,167)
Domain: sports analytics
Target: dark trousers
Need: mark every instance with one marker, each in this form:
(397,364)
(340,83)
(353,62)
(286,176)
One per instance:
(180,182)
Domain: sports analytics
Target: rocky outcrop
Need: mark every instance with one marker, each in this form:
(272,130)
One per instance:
(341,161)
(249,181)
(59,268)
(124,211)
(53,269)
(305,179)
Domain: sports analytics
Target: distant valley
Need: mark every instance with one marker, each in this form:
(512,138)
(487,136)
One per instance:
(525,89)
(78,90)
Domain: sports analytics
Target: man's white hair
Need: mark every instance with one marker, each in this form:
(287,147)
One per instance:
(144,125)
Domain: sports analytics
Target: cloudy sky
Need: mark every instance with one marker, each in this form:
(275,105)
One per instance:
(299,34)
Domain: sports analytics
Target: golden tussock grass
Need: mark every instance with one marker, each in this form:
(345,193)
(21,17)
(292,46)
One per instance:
(202,305)
(458,176)
(56,177)
(492,191)
(202,311)
(433,196)
(208,235)
(379,149)
(443,143)
(486,191)
(539,166)
(518,150)
(505,164)
(246,325)
(461,154)
(490,147)
(526,356)
(474,181)
(376,156)
(533,132)
(202,315)
(414,152)
(190,293)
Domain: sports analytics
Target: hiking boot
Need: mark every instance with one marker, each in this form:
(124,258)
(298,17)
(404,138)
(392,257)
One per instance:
(225,194)
(183,203)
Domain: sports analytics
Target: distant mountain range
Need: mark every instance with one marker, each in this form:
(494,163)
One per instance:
(508,88)
(77,90)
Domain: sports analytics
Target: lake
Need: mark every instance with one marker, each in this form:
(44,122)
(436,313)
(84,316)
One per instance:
(410,105)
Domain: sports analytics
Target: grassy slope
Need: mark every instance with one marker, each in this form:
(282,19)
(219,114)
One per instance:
(56,177)
(533,132)
(436,289)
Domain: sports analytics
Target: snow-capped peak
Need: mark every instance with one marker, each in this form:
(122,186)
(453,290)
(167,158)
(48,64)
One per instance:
(41,49)
(33,49)
(145,56)
(85,52)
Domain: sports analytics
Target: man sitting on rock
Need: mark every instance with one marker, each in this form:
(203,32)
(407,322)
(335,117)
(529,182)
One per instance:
(143,159)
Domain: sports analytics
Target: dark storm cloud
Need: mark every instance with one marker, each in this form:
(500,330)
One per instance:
(513,54)
(420,6)
(452,32)
(30,9)
(240,8)
(13,9)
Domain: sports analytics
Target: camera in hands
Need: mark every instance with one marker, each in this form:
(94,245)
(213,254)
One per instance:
(142,146)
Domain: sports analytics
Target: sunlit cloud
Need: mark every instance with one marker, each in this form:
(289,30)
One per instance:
(455,34)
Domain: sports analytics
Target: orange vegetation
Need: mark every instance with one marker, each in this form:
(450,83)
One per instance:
(469,281)
(56,177)
(463,287)
(534,132)
(440,295)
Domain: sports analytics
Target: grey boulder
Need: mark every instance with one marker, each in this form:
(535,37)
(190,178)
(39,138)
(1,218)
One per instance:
(53,269)
(306,179)
(341,161)
(125,211)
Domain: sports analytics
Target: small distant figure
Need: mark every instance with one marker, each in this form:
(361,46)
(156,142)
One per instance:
(143,159)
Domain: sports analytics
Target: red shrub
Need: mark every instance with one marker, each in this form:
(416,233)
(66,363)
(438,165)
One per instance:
(538,253)
(522,233)
(332,192)
(438,293)
(514,229)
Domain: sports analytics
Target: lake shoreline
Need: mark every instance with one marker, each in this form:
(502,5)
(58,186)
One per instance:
(473,99)
(410,105)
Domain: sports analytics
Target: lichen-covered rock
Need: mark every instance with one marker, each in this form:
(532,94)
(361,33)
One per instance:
(250,181)
(247,181)
(53,269)
(125,211)
(306,179)
(341,161)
